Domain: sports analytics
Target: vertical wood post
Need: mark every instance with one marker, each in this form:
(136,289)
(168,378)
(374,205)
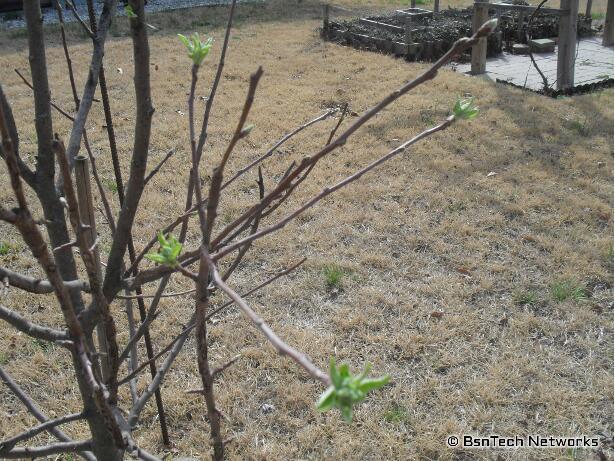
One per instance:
(479,51)
(607,36)
(567,44)
(520,34)
(436,6)
(413,3)
(86,211)
(325,19)
(408,35)
(588,11)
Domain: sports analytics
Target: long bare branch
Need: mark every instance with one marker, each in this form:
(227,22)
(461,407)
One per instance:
(86,100)
(46,450)
(157,168)
(279,345)
(329,190)
(31,329)
(36,285)
(459,46)
(35,411)
(9,443)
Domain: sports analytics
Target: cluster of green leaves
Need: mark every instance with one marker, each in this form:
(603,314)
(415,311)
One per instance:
(169,250)
(346,390)
(197,50)
(465,109)
(129,11)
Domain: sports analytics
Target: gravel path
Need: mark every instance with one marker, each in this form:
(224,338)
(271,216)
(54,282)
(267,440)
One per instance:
(7,20)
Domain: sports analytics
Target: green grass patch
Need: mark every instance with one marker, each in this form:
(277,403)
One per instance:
(333,275)
(581,127)
(396,414)
(568,289)
(525,297)
(111,185)
(4,248)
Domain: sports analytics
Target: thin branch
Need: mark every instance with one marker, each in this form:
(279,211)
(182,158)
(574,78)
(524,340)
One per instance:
(92,81)
(8,444)
(54,105)
(30,328)
(218,175)
(242,252)
(139,452)
(46,450)
(219,370)
(38,286)
(214,86)
(73,9)
(157,168)
(26,172)
(151,316)
(192,210)
(165,295)
(339,122)
(279,345)
(164,368)
(276,146)
(545,82)
(329,190)
(459,46)
(167,348)
(36,412)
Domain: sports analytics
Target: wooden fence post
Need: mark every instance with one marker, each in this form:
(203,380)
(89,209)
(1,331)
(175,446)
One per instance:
(413,3)
(86,211)
(520,24)
(479,51)
(588,11)
(607,36)
(567,44)
(436,6)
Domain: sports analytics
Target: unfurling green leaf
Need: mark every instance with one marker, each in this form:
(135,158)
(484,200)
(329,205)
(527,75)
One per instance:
(129,11)
(169,250)
(197,50)
(465,109)
(347,390)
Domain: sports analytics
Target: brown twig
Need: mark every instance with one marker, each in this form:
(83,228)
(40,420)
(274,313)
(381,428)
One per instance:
(8,444)
(218,174)
(329,190)
(30,328)
(276,146)
(278,344)
(46,450)
(459,46)
(545,82)
(35,285)
(35,411)
(158,167)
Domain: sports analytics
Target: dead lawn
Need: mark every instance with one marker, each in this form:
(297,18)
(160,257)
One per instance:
(431,232)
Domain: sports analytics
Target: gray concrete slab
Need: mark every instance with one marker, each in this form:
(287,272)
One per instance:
(594,63)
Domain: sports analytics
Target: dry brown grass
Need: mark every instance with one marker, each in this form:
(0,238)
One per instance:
(429,232)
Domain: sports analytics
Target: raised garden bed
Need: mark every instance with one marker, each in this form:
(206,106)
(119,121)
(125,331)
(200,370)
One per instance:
(430,36)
